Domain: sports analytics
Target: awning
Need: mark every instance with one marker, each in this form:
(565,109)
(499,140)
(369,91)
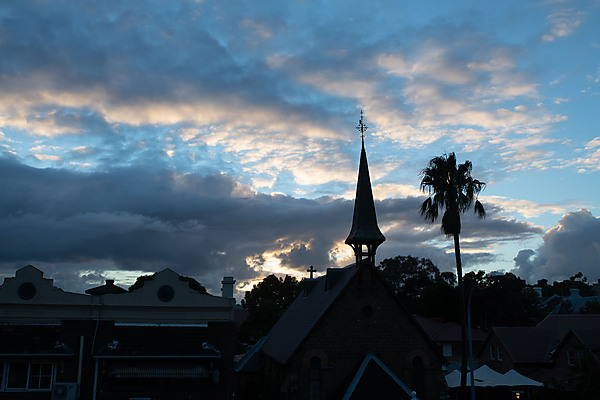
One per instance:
(485,376)
(516,379)
(140,372)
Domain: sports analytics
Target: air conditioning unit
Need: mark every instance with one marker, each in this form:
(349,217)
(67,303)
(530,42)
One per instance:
(64,391)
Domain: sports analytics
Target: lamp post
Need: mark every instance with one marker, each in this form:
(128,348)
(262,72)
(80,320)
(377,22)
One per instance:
(471,340)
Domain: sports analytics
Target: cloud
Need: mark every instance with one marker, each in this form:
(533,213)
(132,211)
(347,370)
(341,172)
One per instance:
(207,226)
(563,22)
(526,208)
(572,246)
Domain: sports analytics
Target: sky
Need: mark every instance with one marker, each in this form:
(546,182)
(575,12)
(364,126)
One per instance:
(218,137)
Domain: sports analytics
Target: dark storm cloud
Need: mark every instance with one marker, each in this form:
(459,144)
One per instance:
(571,246)
(146,219)
(201,225)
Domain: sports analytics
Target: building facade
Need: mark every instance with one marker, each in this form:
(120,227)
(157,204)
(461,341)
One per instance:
(164,340)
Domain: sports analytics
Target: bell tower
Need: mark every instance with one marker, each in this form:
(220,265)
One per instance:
(365,236)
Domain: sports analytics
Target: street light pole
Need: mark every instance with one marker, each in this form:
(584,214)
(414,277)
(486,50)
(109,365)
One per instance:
(471,341)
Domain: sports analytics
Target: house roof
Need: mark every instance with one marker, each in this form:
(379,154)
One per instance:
(589,337)
(308,308)
(108,288)
(563,323)
(526,344)
(252,360)
(440,331)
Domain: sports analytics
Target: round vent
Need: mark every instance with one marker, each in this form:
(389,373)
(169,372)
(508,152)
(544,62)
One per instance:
(26,291)
(165,293)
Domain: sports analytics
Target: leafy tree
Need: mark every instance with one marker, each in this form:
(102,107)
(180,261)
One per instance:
(452,189)
(420,285)
(577,281)
(591,307)
(502,300)
(266,303)
(194,284)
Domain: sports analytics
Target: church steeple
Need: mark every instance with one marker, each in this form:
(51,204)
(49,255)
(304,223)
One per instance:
(365,235)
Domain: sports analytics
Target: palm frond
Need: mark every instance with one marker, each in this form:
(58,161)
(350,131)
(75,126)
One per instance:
(479,210)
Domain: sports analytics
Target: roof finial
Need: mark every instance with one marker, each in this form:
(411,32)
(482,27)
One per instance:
(361,127)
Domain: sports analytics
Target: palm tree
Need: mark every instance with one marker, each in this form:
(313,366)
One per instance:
(453,190)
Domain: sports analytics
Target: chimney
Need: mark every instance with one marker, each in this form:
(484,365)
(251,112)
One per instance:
(110,282)
(538,290)
(227,289)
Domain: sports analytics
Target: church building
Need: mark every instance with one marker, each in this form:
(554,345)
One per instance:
(346,336)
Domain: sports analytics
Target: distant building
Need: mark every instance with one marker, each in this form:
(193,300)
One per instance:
(163,340)
(347,335)
(552,352)
(448,337)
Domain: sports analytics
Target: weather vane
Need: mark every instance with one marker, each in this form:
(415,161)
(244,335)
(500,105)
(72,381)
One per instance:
(361,127)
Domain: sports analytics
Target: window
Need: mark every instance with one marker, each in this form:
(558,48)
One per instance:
(28,376)
(573,358)
(418,375)
(314,390)
(447,349)
(495,353)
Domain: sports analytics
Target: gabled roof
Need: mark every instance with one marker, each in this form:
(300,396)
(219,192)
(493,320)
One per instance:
(252,360)
(364,221)
(449,331)
(590,338)
(526,344)
(108,288)
(300,318)
(562,323)
(374,377)
(310,306)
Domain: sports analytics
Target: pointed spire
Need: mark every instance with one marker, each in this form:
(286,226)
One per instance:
(365,230)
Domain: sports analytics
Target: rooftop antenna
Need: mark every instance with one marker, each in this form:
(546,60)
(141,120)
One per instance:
(361,127)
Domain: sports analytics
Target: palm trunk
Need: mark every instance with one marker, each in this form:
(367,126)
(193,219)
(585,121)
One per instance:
(464,395)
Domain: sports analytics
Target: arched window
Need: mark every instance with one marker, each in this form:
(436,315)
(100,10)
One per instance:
(314,379)
(418,372)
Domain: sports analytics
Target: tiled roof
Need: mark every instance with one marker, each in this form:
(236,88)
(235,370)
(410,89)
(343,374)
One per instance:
(295,324)
(526,344)
(562,323)
(440,331)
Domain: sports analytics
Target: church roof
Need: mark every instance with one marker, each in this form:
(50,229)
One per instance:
(304,313)
(364,222)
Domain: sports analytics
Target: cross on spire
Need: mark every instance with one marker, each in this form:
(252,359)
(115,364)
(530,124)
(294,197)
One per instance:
(361,127)
(311,270)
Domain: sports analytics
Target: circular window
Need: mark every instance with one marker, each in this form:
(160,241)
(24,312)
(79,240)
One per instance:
(165,293)
(26,291)
(367,312)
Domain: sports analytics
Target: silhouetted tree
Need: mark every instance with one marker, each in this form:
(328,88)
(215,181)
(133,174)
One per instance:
(502,300)
(266,302)
(563,288)
(452,189)
(421,287)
